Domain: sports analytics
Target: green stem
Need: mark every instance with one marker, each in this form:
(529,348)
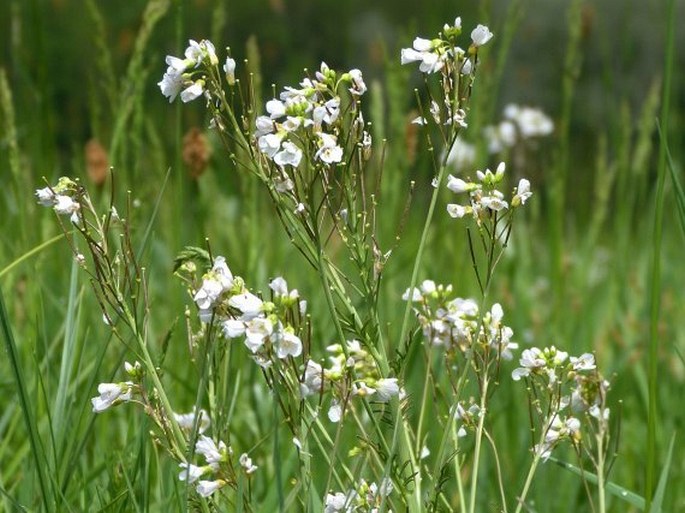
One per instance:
(457,467)
(479,440)
(531,472)
(151,370)
(600,471)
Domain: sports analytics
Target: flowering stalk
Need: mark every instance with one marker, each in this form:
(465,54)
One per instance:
(117,279)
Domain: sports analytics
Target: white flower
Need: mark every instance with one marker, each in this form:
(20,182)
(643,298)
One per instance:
(289,344)
(522,193)
(249,304)
(191,473)
(265,125)
(481,35)
(207,488)
(246,463)
(197,52)
(171,84)
(457,185)
(422,45)
(111,394)
(335,412)
(328,112)
(494,202)
(386,388)
(458,211)
(275,108)
(313,379)
(283,184)
(279,286)
(596,412)
(323,72)
(229,70)
(467,67)
(358,86)
(530,359)
(214,283)
(270,144)
(329,151)
(233,328)
(430,62)
(187,420)
(335,503)
(291,123)
(362,389)
(193,91)
(257,330)
(65,205)
(290,155)
(531,122)
(423,51)
(584,362)
(420,120)
(46,197)
(428,287)
(211,452)
(459,118)
(177,65)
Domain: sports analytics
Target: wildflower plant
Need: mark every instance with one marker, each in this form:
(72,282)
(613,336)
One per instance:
(361,439)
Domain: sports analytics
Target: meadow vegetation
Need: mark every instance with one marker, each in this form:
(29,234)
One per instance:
(385,289)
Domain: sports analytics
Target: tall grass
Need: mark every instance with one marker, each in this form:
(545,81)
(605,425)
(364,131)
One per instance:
(580,282)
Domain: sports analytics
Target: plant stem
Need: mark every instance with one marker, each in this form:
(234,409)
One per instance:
(479,440)
(600,471)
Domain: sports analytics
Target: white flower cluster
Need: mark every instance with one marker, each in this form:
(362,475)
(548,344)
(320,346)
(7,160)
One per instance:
(305,119)
(186,421)
(61,198)
(484,197)
(559,429)
(367,380)
(217,465)
(181,74)
(456,323)
(112,394)
(518,124)
(434,55)
(224,299)
(573,383)
(552,363)
(467,418)
(365,498)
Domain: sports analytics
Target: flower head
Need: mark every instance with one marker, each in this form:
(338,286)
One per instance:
(481,35)
(112,394)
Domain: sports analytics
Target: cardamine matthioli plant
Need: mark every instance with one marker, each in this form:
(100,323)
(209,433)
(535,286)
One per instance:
(361,440)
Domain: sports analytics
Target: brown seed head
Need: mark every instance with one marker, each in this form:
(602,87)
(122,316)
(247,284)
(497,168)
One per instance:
(196,152)
(97,162)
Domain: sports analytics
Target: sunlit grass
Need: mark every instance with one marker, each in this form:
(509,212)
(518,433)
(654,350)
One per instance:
(579,281)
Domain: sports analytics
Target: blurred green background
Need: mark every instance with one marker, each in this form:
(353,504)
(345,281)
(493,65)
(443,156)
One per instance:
(577,274)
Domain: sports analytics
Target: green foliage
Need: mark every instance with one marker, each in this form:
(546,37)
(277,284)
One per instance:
(576,273)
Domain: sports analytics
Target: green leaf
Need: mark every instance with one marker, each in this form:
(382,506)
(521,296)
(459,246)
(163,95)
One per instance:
(616,490)
(658,498)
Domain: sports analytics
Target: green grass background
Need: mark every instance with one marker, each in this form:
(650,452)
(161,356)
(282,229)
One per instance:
(578,272)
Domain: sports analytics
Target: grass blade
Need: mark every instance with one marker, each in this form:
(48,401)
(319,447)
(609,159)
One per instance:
(22,392)
(626,495)
(677,186)
(655,267)
(658,499)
